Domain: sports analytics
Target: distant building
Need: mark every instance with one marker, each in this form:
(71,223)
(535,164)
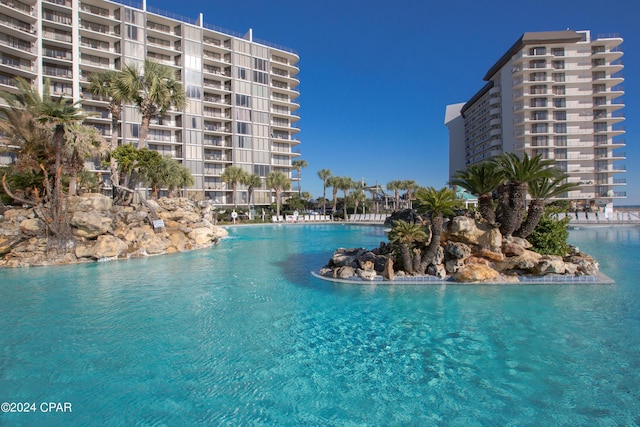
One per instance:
(555,94)
(242,92)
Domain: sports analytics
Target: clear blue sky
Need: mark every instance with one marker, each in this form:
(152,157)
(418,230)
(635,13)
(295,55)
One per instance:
(376,75)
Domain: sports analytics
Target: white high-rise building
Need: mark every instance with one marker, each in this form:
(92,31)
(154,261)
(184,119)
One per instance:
(242,92)
(556,94)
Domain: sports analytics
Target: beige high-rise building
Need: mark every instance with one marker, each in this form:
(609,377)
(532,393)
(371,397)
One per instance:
(242,92)
(556,94)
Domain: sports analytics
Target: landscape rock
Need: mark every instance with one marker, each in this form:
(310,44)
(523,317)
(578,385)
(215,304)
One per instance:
(90,224)
(476,273)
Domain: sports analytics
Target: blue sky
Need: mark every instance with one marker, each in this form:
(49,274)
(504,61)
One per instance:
(376,75)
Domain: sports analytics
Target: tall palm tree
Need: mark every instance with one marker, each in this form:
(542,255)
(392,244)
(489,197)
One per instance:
(334,182)
(405,235)
(324,175)
(107,85)
(395,187)
(252,181)
(232,176)
(278,182)
(512,193)
(541,190)
(345,184)
(435,203)
(81,143)
(480,180)
(298,165)
(154,89)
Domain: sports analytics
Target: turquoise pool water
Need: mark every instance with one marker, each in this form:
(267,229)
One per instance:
(242,334)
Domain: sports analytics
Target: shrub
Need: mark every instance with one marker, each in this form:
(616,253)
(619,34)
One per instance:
(550,236)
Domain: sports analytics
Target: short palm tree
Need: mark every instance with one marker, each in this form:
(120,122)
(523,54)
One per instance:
(324,175)
(541,190)
(345,184)
(512,193)
(435,203)
(395,187)
(252,181)
(81,143)
(298,165)
(358,195)
(232,176)
(405,235)
(154,89)
(278,182)
(410,186)
(480,180)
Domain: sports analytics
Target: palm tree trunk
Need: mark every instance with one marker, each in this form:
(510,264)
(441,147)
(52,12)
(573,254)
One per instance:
(485,207)
(324,197)
(278,193)
(432,249)
(144,131)
(113,163)
(534,213)
(511,208)
(73,183)
(335,200)
(406,258)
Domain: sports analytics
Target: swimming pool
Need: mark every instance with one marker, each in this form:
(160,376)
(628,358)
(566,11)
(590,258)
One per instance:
(242,334)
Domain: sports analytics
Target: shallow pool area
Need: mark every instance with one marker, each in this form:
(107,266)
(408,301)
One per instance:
(243,334)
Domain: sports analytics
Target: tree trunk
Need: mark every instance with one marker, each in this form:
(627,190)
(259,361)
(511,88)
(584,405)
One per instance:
(511,208)
(144,131)
(534,213)
(432,249)
(406,258)
(73,183)
(278,193)
(324,197)
(485,207)
(113,163)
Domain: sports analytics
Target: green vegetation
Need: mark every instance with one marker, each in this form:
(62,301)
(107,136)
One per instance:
(550,236)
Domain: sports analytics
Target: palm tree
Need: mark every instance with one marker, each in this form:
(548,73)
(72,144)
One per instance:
(358,195)
(480,180)
(81,143)
(233,175)
(107,85)
(410,186)
(252,181)
(541,190)
(435,203)
(334,181)
(154,89)
(324,175)
(395,187)
(58,113)
(406,235)
(298,165)
(345,184)
(512,193)
(278,182)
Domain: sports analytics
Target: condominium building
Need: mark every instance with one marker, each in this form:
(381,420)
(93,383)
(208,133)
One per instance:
(242,92)
(556,94)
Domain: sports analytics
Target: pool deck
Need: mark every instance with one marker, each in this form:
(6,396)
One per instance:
(550,279)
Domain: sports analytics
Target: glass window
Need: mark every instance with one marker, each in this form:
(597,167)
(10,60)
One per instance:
(557,51)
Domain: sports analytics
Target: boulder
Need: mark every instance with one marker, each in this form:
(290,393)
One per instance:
(180,216)
(476,273)
(549,264)
(17,215)
(138,234)
(453,265)
(346,257)
(456,250)
(346,272)
(90,202)
(437,270)
(108,246)
(366,274)
(90,224)
(388,272)
(490,255)
(468,230)
(407,215)
(512,249)
(527,261)
(203,235)
(585,265)
(521,242)
(31,225)
(178,240)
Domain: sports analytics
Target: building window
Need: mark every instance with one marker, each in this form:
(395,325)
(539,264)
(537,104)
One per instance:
(558,65)
(597,75)
(560,140)
(558,77)
(538,102)
(538,63)
(560,128)
(559,115)
(560,102)
(535,51)
(559,90)
(538,115)
(538,77)
(557,51)
(538,89)
(539,128)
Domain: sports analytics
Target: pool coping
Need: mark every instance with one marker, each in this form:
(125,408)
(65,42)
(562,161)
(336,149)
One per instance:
(550,279)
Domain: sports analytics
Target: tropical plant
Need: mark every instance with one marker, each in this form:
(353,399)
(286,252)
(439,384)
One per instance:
(278,182)
(82,142)
(154,90)
(512,193)
(232,176)
(252,181)
(551,234)
(334,182)
(298,165)
(395,187)
(436,204)
(410,186)
(41,115)
(107,85)
(541,191)
(480,180)
(345,184)
(406,235)
(324,175)
(358,195)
